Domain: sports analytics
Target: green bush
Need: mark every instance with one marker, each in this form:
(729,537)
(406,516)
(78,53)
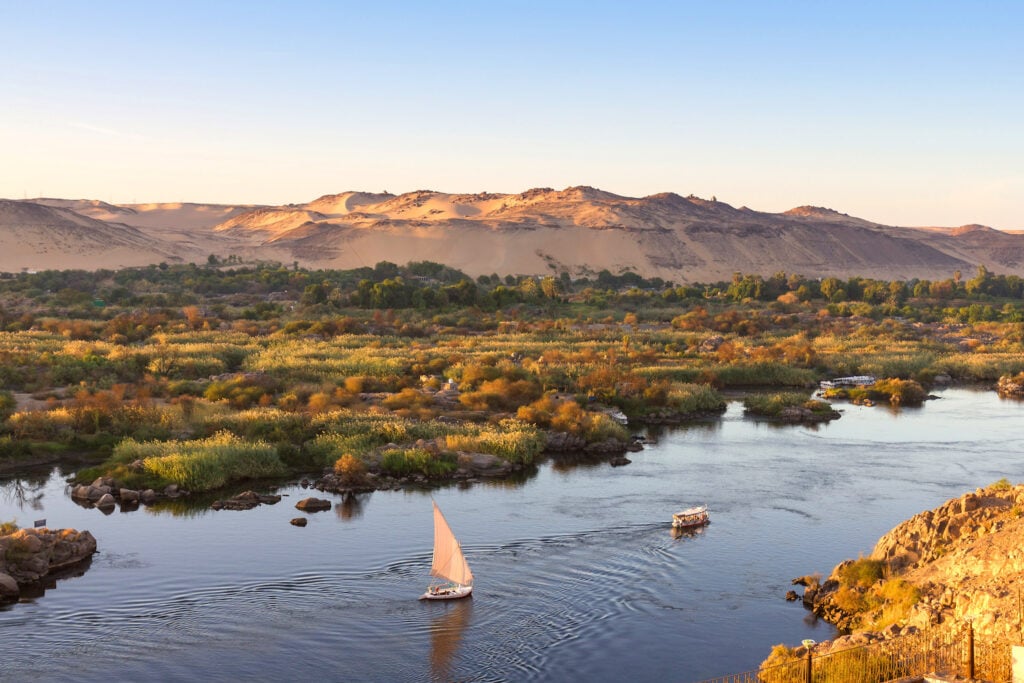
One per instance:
(203,464)
(406,461)
(862,573)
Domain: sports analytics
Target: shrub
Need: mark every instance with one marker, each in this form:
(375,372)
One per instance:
(405,461)
(694,398)
(772,405)
(8,528)
(1001,485)
(900,391)
(203,464)
(862,573)
(350,469)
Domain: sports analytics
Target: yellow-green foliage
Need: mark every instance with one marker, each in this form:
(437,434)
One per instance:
(773,404)
(897,597)
(203,464)
(900,391)
(783,665)
(1001,485)
(350,469)
(359,434)
(8,528)
(513,440)
(306,360)
(873,601)
(568,416)
(500,394)
(765,373)
(694,398)
(862,573)
(269,424)
(404,461)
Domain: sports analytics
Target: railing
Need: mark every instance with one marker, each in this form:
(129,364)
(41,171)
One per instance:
(948,652)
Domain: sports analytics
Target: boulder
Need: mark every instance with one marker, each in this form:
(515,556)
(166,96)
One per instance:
(313,504)
(128,496)
(299,521)
(9,590)
(484,464)
(619,461)
(246,500)
(148,497)
(106,501)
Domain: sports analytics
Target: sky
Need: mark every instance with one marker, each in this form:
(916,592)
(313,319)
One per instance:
(904,113)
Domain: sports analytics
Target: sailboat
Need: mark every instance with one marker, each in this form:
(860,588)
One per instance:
(449,564)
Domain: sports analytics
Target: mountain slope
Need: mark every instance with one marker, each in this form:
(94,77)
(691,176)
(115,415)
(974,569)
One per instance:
(541,231)
(34,236)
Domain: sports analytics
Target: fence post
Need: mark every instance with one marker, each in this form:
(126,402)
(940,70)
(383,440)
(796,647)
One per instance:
(970,649)
(808,646)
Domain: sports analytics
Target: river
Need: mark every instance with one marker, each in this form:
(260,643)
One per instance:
(578,575)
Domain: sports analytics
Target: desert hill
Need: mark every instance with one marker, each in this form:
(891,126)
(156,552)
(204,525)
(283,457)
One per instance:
(35,236)
(541,231)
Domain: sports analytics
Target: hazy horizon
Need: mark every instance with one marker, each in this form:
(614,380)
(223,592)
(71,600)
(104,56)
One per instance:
(900,114)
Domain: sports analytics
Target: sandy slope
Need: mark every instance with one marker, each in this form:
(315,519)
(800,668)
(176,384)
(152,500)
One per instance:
(540,231)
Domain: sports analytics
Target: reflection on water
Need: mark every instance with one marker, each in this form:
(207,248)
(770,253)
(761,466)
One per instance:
(351,506)
(24,493)
(679,533)
(446,630)
(33,591)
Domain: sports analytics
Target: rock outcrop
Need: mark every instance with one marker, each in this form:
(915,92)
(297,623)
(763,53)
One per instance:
(964,559)
(106,493)
(245,501)
(28,555)
(1011,385)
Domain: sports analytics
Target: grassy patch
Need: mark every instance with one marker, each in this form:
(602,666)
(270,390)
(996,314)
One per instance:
(198,465)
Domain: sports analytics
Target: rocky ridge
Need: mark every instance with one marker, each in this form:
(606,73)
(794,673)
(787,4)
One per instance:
(579,230)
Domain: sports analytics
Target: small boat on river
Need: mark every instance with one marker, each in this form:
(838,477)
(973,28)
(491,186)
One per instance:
(448,564)
(691,518)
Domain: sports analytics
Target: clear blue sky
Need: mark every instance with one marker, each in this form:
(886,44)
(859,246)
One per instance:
(909,113)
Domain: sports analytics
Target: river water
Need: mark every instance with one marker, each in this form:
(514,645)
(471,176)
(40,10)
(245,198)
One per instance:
(578,575)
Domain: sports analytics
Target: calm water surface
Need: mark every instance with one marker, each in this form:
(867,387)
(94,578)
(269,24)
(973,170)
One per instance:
(578,575)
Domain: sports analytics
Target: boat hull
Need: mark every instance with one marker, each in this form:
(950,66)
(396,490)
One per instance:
(447,593)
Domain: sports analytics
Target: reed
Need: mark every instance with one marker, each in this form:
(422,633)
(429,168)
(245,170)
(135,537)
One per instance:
(203,464)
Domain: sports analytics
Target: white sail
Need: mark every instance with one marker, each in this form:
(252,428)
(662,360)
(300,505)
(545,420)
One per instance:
(449,562)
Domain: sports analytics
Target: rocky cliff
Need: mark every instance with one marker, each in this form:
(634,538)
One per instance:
(962,561)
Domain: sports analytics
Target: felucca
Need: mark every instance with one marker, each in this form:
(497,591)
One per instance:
(449,564)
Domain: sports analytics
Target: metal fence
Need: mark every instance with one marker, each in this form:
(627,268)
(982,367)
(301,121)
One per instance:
(950,652)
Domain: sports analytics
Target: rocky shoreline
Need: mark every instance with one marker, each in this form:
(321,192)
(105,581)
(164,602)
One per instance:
(961,562)
(29,556)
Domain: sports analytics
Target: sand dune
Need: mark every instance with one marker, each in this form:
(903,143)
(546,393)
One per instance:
(541,231)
